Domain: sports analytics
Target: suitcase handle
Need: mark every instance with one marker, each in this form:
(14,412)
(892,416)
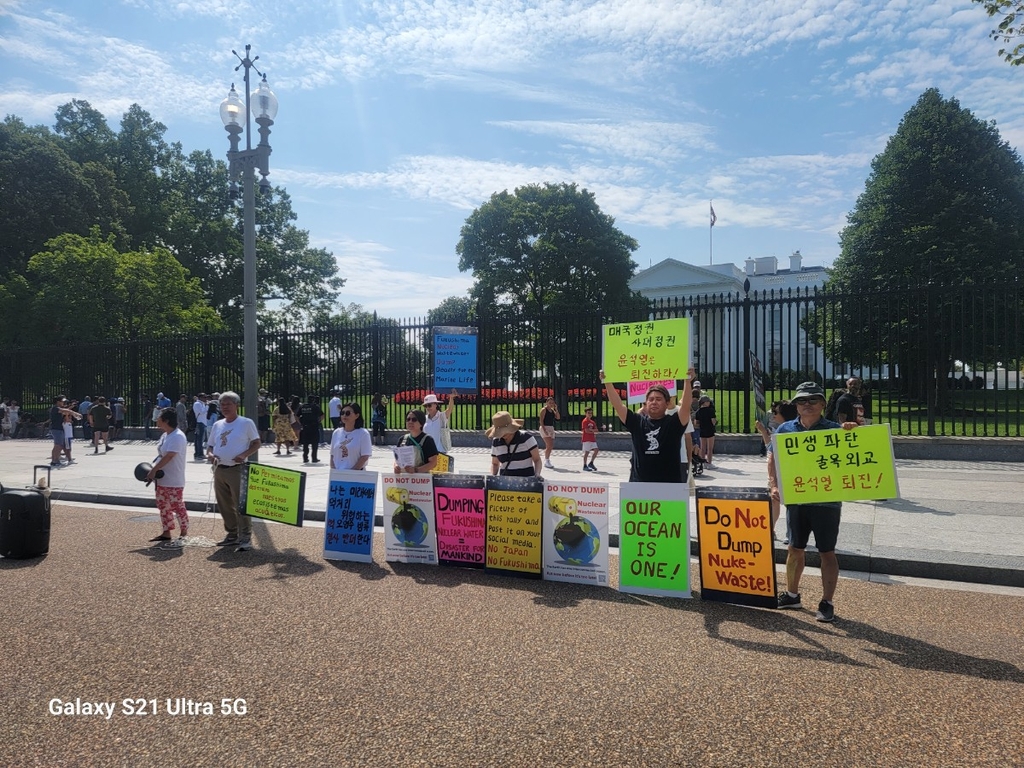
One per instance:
(35,474)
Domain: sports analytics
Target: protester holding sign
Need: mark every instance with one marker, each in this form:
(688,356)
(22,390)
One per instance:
(351,444)
(416,451)
(657,436)
(821,519)
(438,424)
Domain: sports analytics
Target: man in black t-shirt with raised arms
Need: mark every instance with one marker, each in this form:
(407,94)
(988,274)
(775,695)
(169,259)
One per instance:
(656,436)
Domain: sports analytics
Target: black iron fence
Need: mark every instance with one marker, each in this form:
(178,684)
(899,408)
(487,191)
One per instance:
(936,360)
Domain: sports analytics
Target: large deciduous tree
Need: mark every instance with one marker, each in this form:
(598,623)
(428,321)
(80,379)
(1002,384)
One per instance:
(943,205)
(546,248)
(84,289)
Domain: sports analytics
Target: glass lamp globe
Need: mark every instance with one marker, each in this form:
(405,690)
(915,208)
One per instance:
(232,108)
(264,102)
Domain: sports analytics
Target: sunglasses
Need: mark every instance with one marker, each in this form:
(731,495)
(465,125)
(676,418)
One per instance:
(347,413)
(411,418)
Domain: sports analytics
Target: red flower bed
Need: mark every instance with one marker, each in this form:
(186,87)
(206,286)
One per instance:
(502,396)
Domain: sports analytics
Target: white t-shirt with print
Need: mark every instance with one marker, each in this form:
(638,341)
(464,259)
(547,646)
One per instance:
(348,447)
(230,439)
(174,471)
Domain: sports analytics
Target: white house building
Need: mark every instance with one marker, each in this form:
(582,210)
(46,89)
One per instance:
(777,337)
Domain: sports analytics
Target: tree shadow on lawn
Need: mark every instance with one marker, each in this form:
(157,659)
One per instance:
(906,652)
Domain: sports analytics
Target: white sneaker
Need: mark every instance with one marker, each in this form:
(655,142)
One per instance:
(549,465)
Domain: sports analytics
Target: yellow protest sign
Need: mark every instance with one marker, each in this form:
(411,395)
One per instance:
(835,465)
(273,493)
(646,351)
(445,463)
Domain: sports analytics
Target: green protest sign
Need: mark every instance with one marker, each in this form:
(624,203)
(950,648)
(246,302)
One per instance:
(835,465)
(646,351)
(272,493)
(654,539)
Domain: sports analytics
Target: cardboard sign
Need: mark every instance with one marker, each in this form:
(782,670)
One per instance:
(461,519)
(652,350)
(737,558)
(445,463)
(636,391)
(835,465)
(272,493)
(348,524)
(514,523)
(409,519)
(576,533)
(654,541)
(455,360)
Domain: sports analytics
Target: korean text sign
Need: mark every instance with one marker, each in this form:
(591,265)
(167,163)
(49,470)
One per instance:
(348,524)
(651,350)
(821,465)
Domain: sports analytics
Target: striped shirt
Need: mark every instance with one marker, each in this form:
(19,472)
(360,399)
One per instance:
(514,458)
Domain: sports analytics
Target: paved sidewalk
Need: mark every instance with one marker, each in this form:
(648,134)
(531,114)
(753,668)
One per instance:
(955,520)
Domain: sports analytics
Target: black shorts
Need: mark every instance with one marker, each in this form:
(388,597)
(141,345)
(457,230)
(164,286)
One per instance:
(263,423)
(820,519)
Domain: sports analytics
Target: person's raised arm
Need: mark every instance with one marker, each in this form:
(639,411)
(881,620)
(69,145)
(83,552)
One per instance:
(684,403)
(613,397)
(451,405)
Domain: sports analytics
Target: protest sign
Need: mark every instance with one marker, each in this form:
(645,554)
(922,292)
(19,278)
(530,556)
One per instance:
(576,532)
(636,391)
(737,557)
(654,541)
(835,465)
(272,493)
(459,512)
(455,360)
(651,350)
(348,524)
(408,502)
(445,463)
(514,521)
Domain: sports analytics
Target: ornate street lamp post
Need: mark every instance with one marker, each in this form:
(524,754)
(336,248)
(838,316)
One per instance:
(242,163)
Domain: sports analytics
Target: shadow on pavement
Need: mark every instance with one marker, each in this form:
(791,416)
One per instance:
(896,649)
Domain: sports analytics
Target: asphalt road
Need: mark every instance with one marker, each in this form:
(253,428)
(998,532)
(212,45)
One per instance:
(388,664)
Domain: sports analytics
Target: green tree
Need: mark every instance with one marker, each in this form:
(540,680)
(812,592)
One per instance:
(1010,27)
(546,248)
(944,204)
(85,289)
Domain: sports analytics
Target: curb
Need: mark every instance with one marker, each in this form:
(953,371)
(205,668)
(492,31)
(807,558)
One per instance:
(849,561)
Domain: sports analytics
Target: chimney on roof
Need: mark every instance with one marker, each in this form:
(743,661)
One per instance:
(748,266)
(796,261)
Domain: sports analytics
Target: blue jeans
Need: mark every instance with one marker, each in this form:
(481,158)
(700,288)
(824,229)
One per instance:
(200,450)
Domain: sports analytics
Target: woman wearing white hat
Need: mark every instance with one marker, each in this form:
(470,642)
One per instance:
(438,424)
(513,452)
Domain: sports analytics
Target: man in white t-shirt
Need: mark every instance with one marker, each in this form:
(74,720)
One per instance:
(201,411)
(233,439)
(334,410)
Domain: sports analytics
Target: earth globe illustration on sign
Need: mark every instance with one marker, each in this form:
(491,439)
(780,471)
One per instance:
(410,526)
(577,541)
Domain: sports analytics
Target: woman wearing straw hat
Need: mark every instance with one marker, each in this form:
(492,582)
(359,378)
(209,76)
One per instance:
(513,452)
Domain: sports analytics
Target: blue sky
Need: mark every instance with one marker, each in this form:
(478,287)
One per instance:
(398,118)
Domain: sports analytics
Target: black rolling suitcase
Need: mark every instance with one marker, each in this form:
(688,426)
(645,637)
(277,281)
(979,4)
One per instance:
(25,520)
